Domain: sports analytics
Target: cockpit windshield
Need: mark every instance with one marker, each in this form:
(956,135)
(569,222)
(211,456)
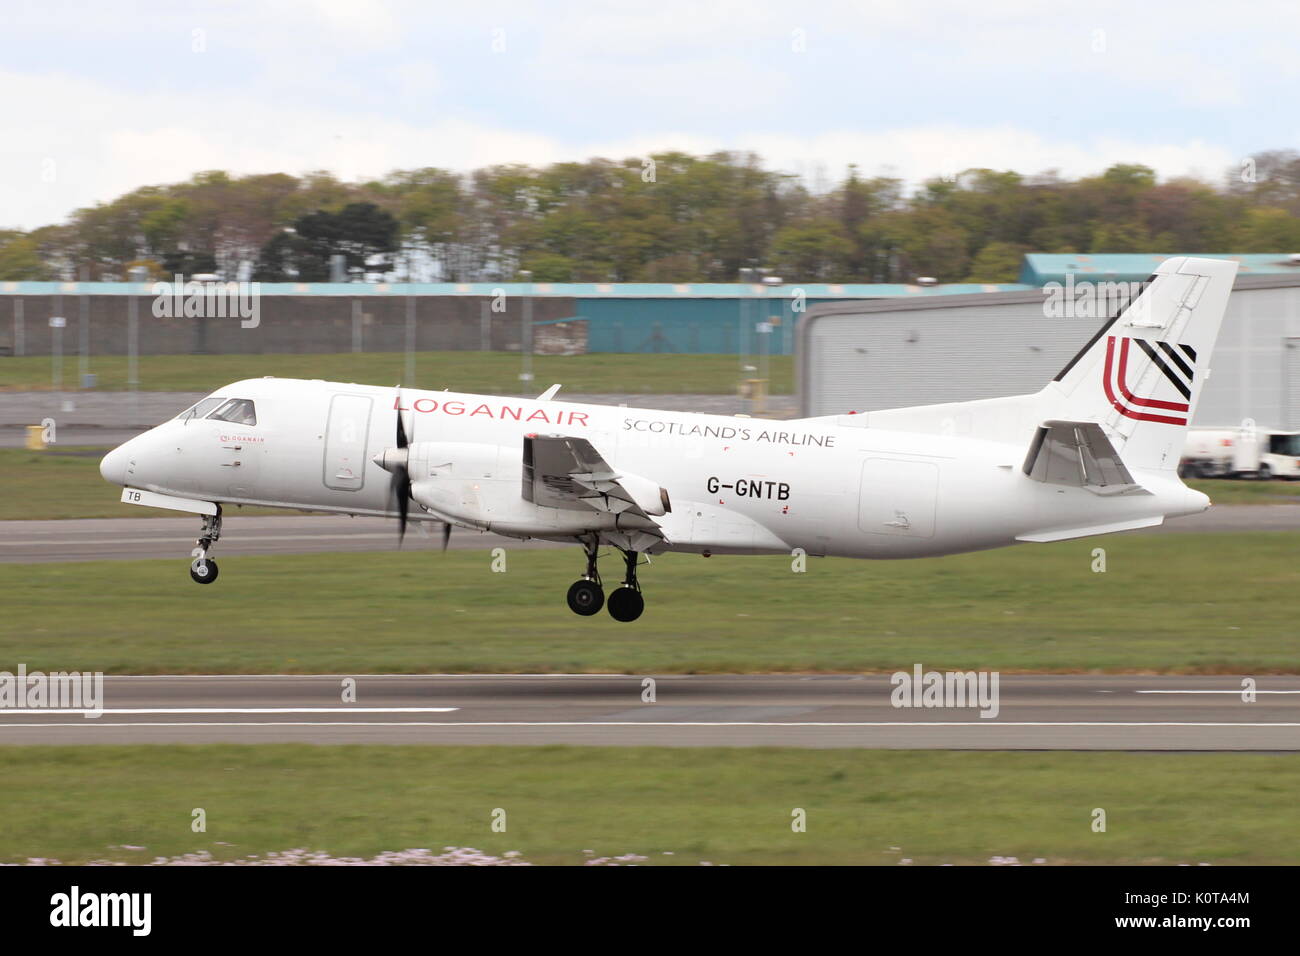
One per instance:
(239,411)
(200,409)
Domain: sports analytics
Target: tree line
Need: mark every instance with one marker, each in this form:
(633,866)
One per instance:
(671,217)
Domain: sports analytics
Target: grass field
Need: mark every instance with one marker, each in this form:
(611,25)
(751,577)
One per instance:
(490,372)
(1217,603)
(1223,491)
(64,482)
(721,806)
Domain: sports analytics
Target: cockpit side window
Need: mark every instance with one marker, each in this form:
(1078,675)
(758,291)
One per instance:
(239,411)
(200,409)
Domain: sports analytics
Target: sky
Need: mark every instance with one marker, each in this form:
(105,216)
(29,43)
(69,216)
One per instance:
(99,99)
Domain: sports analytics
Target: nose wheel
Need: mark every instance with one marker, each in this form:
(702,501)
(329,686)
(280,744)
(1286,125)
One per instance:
(203,569)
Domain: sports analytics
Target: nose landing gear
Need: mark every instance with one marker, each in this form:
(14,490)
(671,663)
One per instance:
(587,597)
(203,570)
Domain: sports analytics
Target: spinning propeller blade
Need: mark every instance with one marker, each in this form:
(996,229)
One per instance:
(400,486)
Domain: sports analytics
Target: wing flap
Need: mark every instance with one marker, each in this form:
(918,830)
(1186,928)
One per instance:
(561,471)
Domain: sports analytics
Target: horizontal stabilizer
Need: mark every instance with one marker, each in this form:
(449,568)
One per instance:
(1079,454)
(1065,534)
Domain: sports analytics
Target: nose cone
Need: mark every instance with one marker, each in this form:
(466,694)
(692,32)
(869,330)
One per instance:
(113,465)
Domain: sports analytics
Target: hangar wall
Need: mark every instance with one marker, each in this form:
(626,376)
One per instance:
(866,356)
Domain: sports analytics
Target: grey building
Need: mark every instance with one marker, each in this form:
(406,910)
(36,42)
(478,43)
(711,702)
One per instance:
(893,353)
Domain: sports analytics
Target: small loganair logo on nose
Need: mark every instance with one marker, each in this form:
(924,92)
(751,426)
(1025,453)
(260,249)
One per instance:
(1176,364)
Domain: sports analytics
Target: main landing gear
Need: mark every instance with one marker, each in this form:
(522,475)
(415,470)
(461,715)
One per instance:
(586,597)
(203,569)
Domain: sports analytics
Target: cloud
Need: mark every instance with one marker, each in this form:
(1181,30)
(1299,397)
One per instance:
(118,142)
(361,87)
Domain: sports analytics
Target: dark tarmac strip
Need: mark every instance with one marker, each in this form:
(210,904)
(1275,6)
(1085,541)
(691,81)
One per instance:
(99,539)
(1142,713)
(95,539)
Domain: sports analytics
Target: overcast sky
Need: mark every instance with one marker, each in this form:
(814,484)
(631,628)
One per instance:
(99,98)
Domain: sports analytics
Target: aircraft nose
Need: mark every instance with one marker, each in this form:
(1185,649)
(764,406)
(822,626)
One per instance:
(113,465)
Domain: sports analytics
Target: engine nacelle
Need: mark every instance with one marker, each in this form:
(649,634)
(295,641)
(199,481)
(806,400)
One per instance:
(479,486)
(649,496)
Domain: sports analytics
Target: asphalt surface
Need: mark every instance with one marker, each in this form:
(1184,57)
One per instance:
(72,436)
(1035,713)
(96,539)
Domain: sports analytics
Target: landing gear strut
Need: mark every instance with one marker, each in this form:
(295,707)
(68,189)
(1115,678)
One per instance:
(626,604)
(203,569)
(586,597)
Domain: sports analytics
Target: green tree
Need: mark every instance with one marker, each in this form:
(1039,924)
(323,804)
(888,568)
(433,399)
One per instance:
(1269,230)
(997,262)
(811,252)
(20,258)
(360,232)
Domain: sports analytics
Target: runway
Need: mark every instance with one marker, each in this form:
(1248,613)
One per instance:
(99,539)
(1138,713)
(96,539)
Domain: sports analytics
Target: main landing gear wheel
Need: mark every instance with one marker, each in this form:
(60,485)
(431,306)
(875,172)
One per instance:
(203,570)
(626,604)
(586,598)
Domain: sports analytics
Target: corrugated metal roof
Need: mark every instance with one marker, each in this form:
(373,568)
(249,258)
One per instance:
(577,290)
(1040,268)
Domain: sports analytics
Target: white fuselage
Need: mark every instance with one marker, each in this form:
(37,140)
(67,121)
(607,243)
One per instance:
(736,485)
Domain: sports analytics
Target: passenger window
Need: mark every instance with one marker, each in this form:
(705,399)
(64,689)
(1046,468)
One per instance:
(239,411)
(199,410)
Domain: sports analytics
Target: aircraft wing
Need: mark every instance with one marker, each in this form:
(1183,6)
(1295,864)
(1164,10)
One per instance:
(561,471)
(1080,455)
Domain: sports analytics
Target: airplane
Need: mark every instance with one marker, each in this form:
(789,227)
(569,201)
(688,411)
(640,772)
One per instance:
(1095,451)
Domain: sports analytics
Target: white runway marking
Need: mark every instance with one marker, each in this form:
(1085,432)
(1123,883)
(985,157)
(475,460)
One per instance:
(653,723)
(117,677)
(1236,692)
(115,711)
(171,539)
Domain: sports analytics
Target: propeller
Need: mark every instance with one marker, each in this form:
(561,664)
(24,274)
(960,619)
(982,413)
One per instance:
(395,461)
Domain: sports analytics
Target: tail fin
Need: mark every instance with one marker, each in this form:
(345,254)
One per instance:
(1141,375)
